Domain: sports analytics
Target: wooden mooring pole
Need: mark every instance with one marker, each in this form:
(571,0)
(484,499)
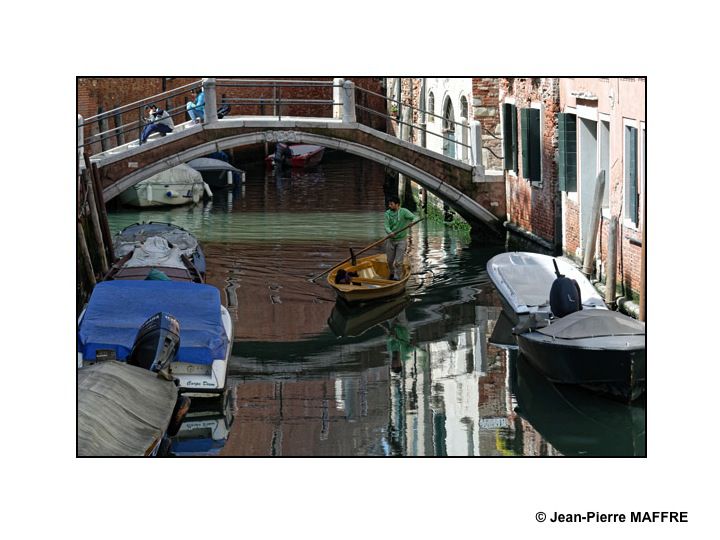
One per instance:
(102,210)
(592,234)
(611,263)
(95,221)
(85,255)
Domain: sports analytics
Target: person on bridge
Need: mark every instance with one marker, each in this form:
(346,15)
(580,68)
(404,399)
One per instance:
(196,107)
(158,121)
(395,219)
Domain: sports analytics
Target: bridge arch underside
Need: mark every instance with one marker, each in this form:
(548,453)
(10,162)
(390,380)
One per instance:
(459,196)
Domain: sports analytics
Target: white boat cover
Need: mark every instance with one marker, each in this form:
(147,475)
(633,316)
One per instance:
(525,279)
(180,174)
(155,251)
(589,323)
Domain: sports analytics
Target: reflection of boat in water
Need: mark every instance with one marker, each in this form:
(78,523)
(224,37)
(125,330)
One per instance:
(565,329)
(368,280)
(347,320)
(577,422)
(205,428)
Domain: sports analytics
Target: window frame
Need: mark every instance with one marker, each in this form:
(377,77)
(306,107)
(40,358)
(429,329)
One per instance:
(631,222)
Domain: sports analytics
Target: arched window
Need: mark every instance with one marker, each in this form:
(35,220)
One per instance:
(431,107)
(464,107)
(449,116)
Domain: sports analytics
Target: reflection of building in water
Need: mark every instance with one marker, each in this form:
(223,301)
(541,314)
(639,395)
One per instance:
(453,399)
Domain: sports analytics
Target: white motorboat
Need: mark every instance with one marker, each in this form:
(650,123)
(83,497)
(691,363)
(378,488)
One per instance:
(564,328)
(176,186)
(109,325)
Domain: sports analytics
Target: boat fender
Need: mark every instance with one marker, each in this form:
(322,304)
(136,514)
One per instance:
(171,194)
(207,190)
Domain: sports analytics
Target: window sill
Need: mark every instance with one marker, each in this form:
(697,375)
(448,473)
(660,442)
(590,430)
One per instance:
(630,224)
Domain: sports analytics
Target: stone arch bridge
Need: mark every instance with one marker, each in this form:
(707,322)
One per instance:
(463,186)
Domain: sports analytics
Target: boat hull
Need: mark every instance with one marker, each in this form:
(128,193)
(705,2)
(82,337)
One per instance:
(148,195)
(612,365)
(304,156)
(372,283)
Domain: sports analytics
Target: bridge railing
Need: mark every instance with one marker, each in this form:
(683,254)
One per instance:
(277,97)
(469,143)
(96,135)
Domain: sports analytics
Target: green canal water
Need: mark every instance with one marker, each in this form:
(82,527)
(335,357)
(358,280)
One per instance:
(422,375)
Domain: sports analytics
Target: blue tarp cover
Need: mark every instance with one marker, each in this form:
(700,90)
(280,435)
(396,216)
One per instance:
(117,309)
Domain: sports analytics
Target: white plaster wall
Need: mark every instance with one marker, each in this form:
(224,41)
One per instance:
(454,87)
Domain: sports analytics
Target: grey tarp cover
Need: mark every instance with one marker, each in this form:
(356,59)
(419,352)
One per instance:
(180,238)
(122,409)
(156,251)
(594,323)
(210,164)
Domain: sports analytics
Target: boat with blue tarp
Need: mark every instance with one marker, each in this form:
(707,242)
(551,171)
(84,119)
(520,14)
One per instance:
(117,309)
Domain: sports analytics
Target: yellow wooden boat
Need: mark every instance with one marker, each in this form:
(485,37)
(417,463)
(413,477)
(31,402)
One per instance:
(371,282)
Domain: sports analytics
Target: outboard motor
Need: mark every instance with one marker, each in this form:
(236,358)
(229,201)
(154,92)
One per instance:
(564,295)
(156,344)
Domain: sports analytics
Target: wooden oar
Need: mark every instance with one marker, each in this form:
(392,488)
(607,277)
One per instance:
(363,250)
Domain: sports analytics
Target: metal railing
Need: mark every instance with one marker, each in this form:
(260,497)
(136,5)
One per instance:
(413,126)
(276,98)
(134,112)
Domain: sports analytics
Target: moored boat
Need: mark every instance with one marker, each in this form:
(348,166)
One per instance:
(217,173)
(564,328)
(302,156)
(116,310)
(163,247)
(600,349)
(123,410)
(524,280)
(176,186)
(367,279)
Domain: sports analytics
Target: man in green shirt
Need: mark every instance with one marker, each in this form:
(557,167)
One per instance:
(395,219)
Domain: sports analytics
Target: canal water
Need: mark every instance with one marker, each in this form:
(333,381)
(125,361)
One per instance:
(427,374)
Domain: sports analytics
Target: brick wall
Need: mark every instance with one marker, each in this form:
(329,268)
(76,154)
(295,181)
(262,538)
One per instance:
(107,93)
(486,110)
(528,206)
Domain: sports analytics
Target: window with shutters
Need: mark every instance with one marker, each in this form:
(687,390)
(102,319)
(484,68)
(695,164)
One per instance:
(530,149)
(509,130)
(567,152)
(630,161)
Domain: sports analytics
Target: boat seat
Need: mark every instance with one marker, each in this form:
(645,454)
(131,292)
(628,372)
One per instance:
(372,281)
